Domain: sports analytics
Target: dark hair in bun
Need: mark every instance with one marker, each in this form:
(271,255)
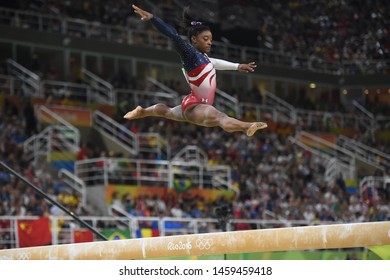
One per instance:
(193,27)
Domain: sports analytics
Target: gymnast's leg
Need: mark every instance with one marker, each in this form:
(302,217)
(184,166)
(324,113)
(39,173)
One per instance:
(209,116)
(158,110)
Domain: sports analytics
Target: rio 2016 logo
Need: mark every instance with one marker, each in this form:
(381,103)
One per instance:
(179,246)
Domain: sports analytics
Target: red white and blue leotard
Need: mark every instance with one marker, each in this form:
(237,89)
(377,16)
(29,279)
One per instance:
(199,67)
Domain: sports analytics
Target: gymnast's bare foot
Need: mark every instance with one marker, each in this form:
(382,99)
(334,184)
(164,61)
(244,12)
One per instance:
(255,127)
(135,114)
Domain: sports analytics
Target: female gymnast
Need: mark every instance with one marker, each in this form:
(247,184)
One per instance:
(196,108)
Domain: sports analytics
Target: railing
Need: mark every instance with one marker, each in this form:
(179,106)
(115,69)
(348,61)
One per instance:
(16,85)
(193,158)
(102,91)
(328,151)
(227,103)
(134,144)
(128,221)
(363,110)
(375,188)
(10,85)
(66,90)
(153,143)
(368,153)
(116,132)
(128,35)
(36,146)
(256,112)
(30,82)
(191,153)
(371,126)
(326,121)
(51,144)
(375,182)
(162,173)
(69,134)
(129,99)
(332,170)
(60,140)
(286,112)
(221,178)
(74,183)
(310,119)
(162,87)
(63,227)
(346,158)
(383,122)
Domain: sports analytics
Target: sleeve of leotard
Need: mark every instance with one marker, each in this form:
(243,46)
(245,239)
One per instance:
(220,64)
(169,31)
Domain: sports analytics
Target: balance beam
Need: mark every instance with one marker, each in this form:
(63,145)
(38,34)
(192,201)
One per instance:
(263,240)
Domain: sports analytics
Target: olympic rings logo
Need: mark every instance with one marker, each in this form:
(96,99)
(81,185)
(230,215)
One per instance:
(204,244)
(24,256)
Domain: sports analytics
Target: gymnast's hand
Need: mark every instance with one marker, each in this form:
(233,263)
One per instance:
(250,67)
(145,16)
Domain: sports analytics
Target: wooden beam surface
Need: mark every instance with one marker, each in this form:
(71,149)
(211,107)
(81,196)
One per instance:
(262,240)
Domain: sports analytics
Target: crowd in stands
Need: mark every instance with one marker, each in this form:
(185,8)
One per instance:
(16,197)
(348,30)
(325,31)
(272,175)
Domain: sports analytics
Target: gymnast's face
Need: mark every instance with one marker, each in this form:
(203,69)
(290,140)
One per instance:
(203,41)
